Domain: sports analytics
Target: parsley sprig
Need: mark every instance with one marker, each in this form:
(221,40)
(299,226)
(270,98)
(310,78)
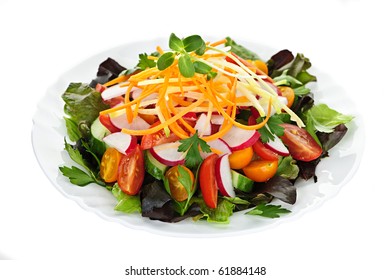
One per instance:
(268,210)
(192,146)
(273,128)
(75,174)
(185,50)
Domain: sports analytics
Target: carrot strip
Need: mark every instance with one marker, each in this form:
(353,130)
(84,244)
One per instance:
(168,122)
(117,80)
(217,43)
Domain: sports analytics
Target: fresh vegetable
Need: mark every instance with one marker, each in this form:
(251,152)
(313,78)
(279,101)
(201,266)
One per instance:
(241,158)
(109,165)
(154,167)
(131,172)
(300,143)
(261,170)
(200,129)
(224,177)
(241,182)
(207,181)
(175,175)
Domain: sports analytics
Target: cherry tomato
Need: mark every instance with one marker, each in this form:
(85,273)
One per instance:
(240,158)
(109,165)
(289,94)
(263,152)
(261,65)
(261,170)
(207,181)
(249,65)
(150,119)
(131,172)
(150,140)
(300,143)
(105,120)
(100,88)
(178,192)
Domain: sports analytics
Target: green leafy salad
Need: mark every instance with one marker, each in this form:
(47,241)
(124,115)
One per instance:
(199,130)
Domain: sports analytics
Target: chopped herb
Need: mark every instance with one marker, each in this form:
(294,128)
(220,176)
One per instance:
(268,210)
(191,147)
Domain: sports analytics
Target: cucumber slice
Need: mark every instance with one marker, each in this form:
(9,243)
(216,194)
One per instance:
(154,167)
(241,182)
(98,132)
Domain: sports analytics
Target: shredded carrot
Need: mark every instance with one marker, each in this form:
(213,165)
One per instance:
(117,80)
(159,50)
(174,95)
(220,42)
(168,122)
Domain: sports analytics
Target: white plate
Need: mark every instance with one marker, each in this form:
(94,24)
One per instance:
(48,141)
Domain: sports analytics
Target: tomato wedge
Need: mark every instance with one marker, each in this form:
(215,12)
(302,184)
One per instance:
(263,152)
(178,192)
(109,165)
(300,143)
(207,181)
(150,140)
(105,120)
(131,172)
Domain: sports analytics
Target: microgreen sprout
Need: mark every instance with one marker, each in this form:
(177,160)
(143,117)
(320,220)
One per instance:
(186,50)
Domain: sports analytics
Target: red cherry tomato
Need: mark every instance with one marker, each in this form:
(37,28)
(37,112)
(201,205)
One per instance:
(105,120)
(150,140)
(263,152)
(131,172)
(207,181)
(300,143)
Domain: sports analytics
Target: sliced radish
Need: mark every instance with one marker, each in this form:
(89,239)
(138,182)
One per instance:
(113,91)
(136,92)
(217,119)
(238,138)
(119,120)
(203,126)
(224,176)
(277,146)
(219,146)
(168,154)
(123,142)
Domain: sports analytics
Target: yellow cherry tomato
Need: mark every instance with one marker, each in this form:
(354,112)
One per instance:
(261,170)
(261,65)
(289,94)
(109,165)
(178,192)
(241,158)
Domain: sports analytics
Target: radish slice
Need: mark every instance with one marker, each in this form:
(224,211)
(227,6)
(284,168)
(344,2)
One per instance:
(113,91)
(119,120)
(277,146)
(123,142)
(168,154)
(238,138)
(219,146)
(224,176)
(203,126)
(217,119)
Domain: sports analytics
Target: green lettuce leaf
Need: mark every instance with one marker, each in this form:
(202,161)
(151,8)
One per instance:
(82,103)
(288,168)
(325,119)
(240,50)
(220,214)
(126,203)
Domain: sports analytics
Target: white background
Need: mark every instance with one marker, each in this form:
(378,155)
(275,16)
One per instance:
(46,235)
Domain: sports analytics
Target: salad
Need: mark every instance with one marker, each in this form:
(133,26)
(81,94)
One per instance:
(200,130)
